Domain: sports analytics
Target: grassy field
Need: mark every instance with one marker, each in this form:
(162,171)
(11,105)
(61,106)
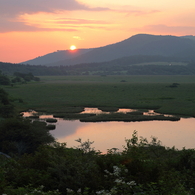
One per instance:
(58,94)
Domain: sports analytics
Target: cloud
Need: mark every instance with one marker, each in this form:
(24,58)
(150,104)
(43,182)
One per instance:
(141,12)
(8,26)
(11,10)
(79,21)
(59,24)
(77,37)
(133,10)
(17,7)
(22,27)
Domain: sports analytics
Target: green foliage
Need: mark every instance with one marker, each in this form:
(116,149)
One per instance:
(16,80)
(30,190)
(6,108)
(4,80)
(24,77)
(67,168)
(142,168)
(119,183)
(19,136)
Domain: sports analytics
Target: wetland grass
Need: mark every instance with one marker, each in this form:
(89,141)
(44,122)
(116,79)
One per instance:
(72,116)
(76,116)
(72,94)
(128,117)
(51,120)
(33,117)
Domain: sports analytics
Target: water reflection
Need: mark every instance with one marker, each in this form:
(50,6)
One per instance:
(65,128)
(107,135)
(98,111)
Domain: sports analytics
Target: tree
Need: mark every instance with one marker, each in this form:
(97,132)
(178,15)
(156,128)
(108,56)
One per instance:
(4,80)
(6,108)
(19,135)
(26,77)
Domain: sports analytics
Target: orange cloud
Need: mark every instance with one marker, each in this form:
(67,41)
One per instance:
(131,10)
(12,10)
(13,7)
(79,21)
(22,27)
(77,37)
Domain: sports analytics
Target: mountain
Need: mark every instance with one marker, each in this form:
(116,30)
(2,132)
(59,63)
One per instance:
(56,56)
(140,44)
(189,37)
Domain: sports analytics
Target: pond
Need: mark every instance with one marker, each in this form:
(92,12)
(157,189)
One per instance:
(107,135)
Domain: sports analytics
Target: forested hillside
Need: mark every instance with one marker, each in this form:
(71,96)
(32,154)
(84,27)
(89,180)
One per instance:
(133,65)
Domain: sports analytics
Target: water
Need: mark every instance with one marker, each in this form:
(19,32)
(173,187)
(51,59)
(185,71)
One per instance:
(107,135)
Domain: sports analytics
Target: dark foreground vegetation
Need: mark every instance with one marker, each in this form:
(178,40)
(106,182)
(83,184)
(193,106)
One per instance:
(32,162)
(141,168)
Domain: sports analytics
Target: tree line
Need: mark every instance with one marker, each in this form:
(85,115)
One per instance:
(126,65)
(17,77)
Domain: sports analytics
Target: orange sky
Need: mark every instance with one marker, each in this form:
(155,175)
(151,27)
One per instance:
(33,28)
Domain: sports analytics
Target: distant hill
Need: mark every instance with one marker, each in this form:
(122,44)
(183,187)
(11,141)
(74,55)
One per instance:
(56,56)
(140,44)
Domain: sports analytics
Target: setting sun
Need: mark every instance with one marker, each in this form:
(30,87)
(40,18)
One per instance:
(75,24)
(73,47)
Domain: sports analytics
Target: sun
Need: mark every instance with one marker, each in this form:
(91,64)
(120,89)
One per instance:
(73,47)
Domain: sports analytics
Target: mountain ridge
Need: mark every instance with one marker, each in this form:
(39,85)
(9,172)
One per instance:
(51,57)
(140,44)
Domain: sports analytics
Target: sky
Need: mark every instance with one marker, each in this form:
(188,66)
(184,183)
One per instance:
(29,29)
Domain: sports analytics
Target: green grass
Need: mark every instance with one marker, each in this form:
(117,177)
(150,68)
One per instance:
(126,117)
(119,78)
(57,94)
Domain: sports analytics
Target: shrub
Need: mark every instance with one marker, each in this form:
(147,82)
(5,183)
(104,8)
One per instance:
(21,136)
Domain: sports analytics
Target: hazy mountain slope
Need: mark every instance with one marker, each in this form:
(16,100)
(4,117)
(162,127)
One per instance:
(191,37)
(56,56)
(141,44)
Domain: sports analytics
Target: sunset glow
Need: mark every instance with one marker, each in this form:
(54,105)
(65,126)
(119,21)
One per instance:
(32,29)
(73,47)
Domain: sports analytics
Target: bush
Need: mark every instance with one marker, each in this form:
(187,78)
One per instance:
(143,167)
(19,135)
(6,108)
